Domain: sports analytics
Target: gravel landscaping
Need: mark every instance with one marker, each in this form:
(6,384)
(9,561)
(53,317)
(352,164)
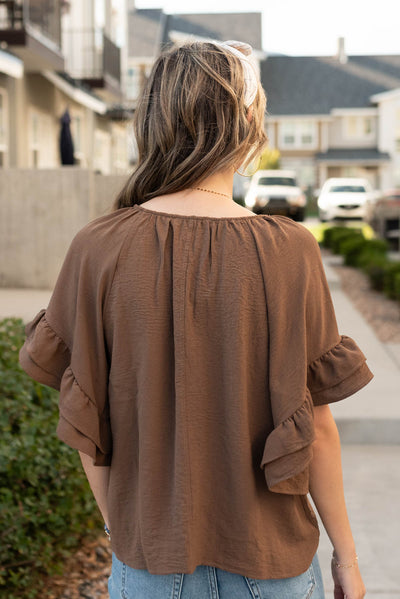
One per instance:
(382,314)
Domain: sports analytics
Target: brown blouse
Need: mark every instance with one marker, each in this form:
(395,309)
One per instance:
(189,352)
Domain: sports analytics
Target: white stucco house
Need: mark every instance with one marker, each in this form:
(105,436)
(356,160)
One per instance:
(388,106)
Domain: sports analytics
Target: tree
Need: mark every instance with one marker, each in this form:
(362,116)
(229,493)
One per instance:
(270,159)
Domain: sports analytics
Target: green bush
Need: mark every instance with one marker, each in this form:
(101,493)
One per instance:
(373,251)
(376,269)
(334,236)
(45,502)
(368,254)
(350,248)
(390,280)
(397,286)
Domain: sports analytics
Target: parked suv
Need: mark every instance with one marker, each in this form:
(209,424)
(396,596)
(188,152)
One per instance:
(384,216)
(345,198)
(276,192)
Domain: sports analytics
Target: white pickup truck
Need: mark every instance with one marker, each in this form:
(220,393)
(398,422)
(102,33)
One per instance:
(276,192)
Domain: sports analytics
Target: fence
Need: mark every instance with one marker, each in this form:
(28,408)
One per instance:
(40,212)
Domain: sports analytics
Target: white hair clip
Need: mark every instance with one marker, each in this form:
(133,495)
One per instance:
(242,51)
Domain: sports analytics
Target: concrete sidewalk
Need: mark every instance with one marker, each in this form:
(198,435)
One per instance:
(371,476)
(373,414)
(369,426)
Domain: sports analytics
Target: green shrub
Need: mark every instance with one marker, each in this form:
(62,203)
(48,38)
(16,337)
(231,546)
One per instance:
(373,250)
(45,502)
(376,269)
(390,280)
(397,286)
(339,234)
(350,248)
(328,235)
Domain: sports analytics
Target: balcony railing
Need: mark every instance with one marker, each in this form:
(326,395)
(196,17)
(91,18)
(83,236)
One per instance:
(41,16)
(91,55)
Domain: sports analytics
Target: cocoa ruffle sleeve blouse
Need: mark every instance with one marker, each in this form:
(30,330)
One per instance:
(189,352)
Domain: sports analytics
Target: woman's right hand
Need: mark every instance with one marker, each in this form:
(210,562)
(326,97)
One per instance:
(348,582)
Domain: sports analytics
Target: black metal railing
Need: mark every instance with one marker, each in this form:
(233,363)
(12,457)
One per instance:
(43,16)
(90,54)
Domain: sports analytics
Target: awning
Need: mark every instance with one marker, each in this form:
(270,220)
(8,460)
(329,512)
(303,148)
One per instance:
(340,156)
(11,65)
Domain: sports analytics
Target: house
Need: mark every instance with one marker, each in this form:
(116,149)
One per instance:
(388,104)
(324,115)
(41,37)
(150,30)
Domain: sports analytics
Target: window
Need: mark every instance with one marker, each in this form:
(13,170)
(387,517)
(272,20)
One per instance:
(368,126)
(286,181)
(347,189)
(120,152)
(298,134)
(359,127)
(102,152)
(352,126)
(43,136)
(289,134)
(307,134)
(76,130)
(133,82)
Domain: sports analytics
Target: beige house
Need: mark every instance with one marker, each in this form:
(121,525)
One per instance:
(325,118)
(33,99)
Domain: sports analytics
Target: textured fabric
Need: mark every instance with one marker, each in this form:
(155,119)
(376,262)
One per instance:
(207,581)
(189,352)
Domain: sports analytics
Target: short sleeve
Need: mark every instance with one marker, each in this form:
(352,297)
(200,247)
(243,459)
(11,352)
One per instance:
(338,373)
(65,349)
(336,366)
(310,363)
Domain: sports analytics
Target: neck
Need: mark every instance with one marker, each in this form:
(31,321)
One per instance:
(221,182)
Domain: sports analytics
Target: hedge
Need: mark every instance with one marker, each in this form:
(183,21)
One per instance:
(368,254)
(46,505)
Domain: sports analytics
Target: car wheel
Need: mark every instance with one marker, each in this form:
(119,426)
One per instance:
(322,217)
(299,215)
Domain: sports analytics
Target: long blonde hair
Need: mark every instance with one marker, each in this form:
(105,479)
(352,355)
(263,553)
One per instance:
(191,121)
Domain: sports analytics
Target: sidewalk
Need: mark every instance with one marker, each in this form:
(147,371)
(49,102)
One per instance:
(373,414)
(369,426)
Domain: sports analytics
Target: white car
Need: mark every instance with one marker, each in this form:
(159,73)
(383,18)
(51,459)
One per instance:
(276,192)
(345,198)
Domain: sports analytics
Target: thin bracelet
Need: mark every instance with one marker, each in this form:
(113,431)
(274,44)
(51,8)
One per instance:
(107,531)
(345,565)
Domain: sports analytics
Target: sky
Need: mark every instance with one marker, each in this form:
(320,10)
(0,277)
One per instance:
(310,27)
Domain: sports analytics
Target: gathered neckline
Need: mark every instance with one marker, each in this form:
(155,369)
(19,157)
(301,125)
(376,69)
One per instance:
(195,216)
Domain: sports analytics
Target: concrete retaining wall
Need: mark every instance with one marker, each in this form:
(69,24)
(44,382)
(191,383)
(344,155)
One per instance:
(40,212)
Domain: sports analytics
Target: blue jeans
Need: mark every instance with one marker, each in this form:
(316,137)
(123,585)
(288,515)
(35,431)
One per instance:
(207,582)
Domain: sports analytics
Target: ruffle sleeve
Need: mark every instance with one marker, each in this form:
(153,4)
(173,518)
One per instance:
(287,452)
(81,425)
(44,355)
(338,373)
(65,348)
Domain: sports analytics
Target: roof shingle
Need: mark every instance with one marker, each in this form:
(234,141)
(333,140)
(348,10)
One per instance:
(315,85)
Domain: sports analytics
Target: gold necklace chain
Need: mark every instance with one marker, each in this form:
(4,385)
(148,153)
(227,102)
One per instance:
(218,193)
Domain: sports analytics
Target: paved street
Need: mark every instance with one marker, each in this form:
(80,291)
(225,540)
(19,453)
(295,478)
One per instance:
(369,425)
